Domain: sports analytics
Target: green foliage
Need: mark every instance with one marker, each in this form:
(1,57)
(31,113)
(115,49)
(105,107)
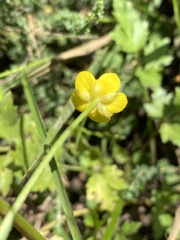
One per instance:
(109,180)
(20,140)
(156,56)
(132,31)
(161,218)
(176,99)
(160,99)
(128,229)
(72,22)
(25,25)
(170,132)
(133,160)
(7,177)
(141,176)
(8,118)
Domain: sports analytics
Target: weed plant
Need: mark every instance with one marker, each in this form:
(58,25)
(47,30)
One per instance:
(117,180)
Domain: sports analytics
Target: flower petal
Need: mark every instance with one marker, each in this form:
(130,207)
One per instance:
(85,96)
(108,98)
(97,117)
(84,81)
(109,82)
(79,104)
(118,104)
(104,110)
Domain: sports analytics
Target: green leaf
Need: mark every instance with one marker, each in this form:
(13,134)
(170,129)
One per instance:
(113,60)
(157,55)
(152,5)
(176,99)
(149,77)
(27,143)
(129,228)
(170,132)
(114,177)
(1,94)
(44,182)
(157,52)
(165,219)
(90,157)
(132,31)
(6,180)
(92,218)
(134,89)
(103,187)
(8,118)
(160,99)
(119,154)
(6,173)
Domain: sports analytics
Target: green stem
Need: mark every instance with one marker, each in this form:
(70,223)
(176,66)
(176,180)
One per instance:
(34,64)
(176,13)
(112,224)
(20,223)
(33,106)
(51,135)
(7,223)
(53,165)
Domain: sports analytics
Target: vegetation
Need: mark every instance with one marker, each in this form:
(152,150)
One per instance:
(121,177)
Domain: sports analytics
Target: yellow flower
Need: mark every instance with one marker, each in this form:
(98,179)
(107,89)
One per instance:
(104,89)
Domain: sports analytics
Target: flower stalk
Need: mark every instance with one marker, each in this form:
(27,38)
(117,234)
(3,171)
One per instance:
(7,223)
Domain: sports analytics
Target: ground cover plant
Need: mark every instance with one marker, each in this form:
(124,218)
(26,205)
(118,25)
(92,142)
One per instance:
(114,174)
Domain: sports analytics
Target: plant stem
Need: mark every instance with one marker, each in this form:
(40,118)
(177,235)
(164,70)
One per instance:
(63,198)
(33,106)
(20,223)
(176,13)
(51,135)
(7,223)
(112,225)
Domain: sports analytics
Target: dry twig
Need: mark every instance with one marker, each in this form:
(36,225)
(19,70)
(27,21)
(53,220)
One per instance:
(176,226)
